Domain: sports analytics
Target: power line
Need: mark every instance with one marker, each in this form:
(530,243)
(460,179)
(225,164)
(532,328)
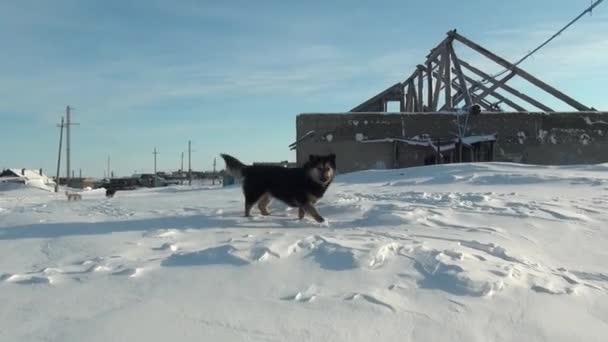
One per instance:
(587,10)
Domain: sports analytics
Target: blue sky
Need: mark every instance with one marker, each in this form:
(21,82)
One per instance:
(232,76)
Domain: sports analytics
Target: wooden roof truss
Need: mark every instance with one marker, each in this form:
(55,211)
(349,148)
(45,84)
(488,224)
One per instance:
(445,82)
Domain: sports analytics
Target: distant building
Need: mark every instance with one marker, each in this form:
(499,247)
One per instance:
(450,111)
(26,176)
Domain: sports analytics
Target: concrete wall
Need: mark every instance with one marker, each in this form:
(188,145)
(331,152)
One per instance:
(533,138)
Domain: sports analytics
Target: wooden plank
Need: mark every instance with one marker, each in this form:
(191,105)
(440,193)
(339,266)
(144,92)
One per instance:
(487,106)
(420,88)
(520,72)
(437,90)
(448,78)
(409,100)
(486,91)
(458,70)
(482,102)
(496,85)
(459,96)
(438,50)
(497,95)
(376,98)
(414,97)
(506,87)
(412,76)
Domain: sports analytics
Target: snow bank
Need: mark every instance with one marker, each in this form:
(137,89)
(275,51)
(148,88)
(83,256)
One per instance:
(462,252)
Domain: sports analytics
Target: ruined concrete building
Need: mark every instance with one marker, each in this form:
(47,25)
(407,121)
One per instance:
(451,111)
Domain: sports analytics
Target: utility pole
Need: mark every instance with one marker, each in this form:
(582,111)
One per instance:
(189,162)
(155,153)
(213,177)
(181,169)
(68,123)
(80,173)
(59,155)
(109,167)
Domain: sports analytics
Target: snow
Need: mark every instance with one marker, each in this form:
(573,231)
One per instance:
(469,140)
(426,141)
(34,177)
(590,122)
(461,252)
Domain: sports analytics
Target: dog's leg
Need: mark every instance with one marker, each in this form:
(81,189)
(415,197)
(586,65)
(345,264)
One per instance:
(263,204)
(248,208)
(301,213)
(250,201)
(310,209)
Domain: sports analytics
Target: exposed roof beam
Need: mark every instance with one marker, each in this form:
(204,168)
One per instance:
(507,88)
(520,72)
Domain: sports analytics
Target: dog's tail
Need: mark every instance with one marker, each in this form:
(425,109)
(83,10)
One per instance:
(234,166)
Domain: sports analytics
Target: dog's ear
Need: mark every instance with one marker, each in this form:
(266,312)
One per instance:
(332,158)
(313,158)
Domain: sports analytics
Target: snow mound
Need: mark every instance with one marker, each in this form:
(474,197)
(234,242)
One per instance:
(465,252)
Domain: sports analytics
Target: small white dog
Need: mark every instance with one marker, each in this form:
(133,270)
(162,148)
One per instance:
(73,196)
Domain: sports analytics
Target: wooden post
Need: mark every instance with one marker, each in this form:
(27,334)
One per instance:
(408,99)
(189,162)
(448,77)
(429,77)
(520,72)
(59,155)
(154,179)
(415,104)
(437,90)
(67,145)
(438,156)
(213,177)
(464,89)
(395,155)
(420,89)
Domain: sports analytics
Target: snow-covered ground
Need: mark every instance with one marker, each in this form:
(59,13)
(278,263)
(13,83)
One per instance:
(469,252)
